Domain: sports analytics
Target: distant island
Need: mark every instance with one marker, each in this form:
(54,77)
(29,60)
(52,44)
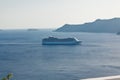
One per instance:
(32,29)
(99,25)
(1,30)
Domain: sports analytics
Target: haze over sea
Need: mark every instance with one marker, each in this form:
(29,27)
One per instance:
(22,54)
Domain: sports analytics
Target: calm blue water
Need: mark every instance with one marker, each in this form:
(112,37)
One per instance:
(22,54)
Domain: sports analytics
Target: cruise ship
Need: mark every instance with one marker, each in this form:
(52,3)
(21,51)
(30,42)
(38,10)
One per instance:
(60,41)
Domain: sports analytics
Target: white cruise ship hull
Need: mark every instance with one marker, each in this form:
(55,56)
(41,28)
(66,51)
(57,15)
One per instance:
(61,43)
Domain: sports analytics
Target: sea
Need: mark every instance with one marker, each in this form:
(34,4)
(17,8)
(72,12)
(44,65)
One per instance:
(22,53)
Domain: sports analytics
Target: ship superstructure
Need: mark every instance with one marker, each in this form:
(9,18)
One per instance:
(60,41)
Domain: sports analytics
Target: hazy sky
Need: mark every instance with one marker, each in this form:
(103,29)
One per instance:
(54,13)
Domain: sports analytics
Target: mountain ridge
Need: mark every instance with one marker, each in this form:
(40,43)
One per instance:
(99,25)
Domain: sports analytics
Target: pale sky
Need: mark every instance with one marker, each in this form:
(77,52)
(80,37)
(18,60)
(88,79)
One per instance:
(19,14)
